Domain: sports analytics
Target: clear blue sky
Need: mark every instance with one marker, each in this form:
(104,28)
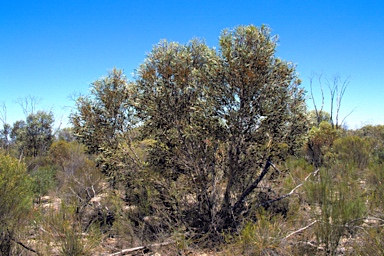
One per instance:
(53,49)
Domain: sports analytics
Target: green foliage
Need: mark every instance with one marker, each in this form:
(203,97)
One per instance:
(354,151)
(319,142)
(5,134)
(15,199)
(71,220)
(103,116)
(371,241)
(189,144)
(43,180)
(195,133)
(338,211)
(78,178)
(63,233)
(217,118)
(60,153)
(65,134)
(34,136)
(315,119)
(376,134)
(375,186)
(104,120)
(263,237)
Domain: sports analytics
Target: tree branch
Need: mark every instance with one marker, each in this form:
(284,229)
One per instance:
(340,97)
(317,111)
(23,245)
(292,191)
(300,229)
(342,122)
(122,252)
(134,249)
(253,186)
(3,114)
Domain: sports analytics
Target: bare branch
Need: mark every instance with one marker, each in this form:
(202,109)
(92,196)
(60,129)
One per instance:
(342,121)
(28,104)
(123,252)
(317,111)
(313,98)
(337,90)
(3,113)
(139,248)
(300,229)
(22,245)
(292,191)
(322,94)
(333,88)
(81,199)
(340,95)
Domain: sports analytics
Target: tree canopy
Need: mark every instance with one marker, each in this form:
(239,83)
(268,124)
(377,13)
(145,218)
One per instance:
(217,118)
(34,136)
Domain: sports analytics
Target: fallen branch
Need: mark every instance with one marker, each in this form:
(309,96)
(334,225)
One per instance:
(24,246)
(139,248)
(122,252)
(292,191)
(372,218)
(301,229)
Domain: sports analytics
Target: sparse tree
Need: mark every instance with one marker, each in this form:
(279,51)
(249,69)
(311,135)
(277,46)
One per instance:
(33,136)
(337,88)
(28,104)
(65,134)
(5,132)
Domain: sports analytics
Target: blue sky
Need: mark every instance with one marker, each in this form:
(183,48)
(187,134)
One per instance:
(54,49)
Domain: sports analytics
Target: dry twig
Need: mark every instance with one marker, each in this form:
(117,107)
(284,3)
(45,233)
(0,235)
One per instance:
(300,229)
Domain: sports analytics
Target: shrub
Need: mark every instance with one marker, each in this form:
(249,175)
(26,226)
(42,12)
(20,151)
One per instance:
(375,184)
(338,211)
(62,232)
(320,140)
(263,237)
(371,241)
(43,179)
(353,151)
(15,200)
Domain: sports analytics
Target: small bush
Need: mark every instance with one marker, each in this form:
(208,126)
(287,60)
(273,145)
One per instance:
(320,140)
(371,242)
(15,200)
(338,211)
(62,233)
(43,179)
(263,237)
(353,151)
(375,186)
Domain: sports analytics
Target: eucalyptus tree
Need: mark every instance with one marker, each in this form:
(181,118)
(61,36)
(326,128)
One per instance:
(103,119)
(213,122)
(179,102)
(337,88)
(219,118)
(263,109)
(33,136)
(5,132)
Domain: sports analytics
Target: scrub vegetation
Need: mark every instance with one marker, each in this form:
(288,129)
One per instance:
(206,151)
